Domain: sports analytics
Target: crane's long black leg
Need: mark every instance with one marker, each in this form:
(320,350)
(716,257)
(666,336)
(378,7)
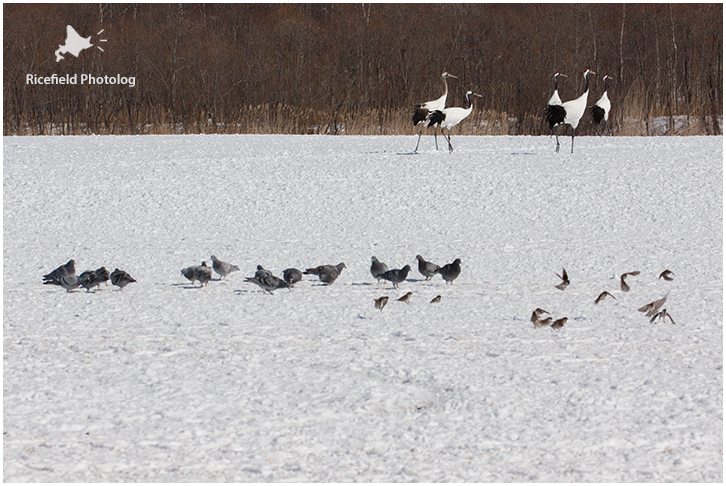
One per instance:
(448,139)
(572,150)
(436,141)
(557,138)
(419,140)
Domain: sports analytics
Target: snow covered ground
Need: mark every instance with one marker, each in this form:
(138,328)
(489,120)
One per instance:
(166,382)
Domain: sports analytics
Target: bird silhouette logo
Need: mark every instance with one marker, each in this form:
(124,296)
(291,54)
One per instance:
(75,43)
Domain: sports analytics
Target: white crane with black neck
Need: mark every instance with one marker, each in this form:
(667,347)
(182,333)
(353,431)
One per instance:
(422,111)
(570,112)
(551,113)
(448,118)
(601,109)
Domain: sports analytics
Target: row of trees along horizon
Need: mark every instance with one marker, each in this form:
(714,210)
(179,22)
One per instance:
(360,68)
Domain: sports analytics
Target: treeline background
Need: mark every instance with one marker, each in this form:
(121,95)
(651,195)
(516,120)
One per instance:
(360,68)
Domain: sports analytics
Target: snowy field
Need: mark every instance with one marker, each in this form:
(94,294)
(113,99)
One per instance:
(165,381)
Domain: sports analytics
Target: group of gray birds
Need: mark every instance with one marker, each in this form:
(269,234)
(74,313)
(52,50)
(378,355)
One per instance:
(380,271)
(263,278)
(652,309)
(65,276)
(327,274)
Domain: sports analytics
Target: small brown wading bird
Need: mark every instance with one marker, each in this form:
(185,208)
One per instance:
(666,275)
(603,295)
(406,298)
(662,315)
(652,308)
(559,323)
(381,302)
(565,280)
(623,286)
(435,299)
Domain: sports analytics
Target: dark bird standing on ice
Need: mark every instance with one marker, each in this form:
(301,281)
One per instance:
(268,283)
(450,271)
(292,276)
(121,279)
(223,268)
(55,275)
(326,273)
(397,276)
(427,269)
(378,268)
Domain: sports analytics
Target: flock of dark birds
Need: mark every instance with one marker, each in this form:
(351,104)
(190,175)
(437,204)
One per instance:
(652,309)
(65,275)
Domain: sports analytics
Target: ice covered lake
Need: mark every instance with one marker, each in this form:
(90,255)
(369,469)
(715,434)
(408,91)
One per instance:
(166,381)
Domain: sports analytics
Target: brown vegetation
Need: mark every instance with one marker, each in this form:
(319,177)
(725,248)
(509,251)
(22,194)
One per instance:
(359,68)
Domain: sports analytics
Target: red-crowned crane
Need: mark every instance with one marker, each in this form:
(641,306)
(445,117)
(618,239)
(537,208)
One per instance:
(569,113)
(555,99)
(448,118)
(601,109)
(551,113)
(420,112)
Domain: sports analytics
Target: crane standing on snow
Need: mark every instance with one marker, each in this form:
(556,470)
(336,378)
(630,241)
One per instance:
(422,111)
(569,112)
(448,118)
(601,109)
(554,101)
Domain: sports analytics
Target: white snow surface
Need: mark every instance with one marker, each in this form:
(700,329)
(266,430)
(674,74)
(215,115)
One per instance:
(165,381)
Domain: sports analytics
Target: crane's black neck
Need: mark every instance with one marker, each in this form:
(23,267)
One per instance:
(469,101)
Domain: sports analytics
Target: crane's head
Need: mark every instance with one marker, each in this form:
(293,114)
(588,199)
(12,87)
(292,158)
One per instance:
(447,75)
(471,93)
(587,71)
(606,77)
(560,74)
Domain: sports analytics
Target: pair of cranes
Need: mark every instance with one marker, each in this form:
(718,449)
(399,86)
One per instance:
(434,114)
(570,112)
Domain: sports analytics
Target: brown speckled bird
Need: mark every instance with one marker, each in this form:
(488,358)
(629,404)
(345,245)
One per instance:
(666,275)
(559,323)
(537,313)
(435,300)
(381,302)
(406,298)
